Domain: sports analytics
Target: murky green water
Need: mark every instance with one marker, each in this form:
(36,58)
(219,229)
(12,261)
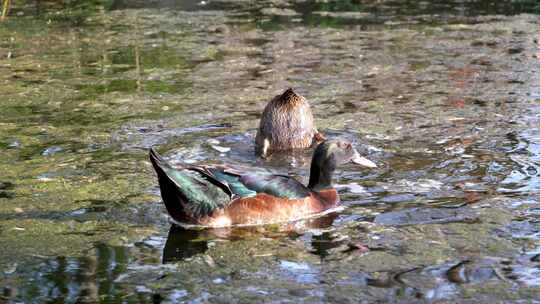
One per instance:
(443,94)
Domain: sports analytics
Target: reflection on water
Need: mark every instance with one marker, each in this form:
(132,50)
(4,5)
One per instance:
(526,155)
(182,243)
(442,94)
(119,274)
(87,279)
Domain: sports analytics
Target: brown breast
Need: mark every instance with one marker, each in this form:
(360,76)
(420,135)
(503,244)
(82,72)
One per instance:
(265,209)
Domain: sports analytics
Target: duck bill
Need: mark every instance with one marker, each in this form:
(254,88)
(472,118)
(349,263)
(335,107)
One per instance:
(362,161)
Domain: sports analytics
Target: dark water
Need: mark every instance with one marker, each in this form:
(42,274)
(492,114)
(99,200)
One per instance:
(443,95)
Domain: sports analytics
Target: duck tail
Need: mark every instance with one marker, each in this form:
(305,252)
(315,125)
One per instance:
(173,198)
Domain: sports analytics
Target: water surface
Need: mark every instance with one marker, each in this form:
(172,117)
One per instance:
(442,94)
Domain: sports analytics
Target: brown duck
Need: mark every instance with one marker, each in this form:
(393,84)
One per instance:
(286,123)
(220,195)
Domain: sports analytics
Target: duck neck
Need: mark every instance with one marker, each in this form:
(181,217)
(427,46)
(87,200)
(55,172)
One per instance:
(320,176)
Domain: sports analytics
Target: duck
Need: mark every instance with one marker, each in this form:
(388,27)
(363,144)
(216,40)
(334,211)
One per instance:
(286,123)
(220,195)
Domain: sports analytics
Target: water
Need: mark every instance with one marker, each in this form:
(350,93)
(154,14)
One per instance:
(443,95)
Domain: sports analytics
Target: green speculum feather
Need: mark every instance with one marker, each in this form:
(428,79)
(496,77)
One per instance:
(234,183)
(201,194)
(276,185)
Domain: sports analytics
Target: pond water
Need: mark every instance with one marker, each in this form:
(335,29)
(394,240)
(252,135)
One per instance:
(443,95)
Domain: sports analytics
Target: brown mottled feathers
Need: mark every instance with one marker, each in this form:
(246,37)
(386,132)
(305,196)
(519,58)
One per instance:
(286,123)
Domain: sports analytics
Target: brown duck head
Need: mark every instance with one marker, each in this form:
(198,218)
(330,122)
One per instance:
(286,123)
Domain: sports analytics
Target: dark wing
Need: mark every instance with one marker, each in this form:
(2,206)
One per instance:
(275,185)
(189,191)
(244,184)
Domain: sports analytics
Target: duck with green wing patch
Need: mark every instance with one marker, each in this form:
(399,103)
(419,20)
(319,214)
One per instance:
(221,195)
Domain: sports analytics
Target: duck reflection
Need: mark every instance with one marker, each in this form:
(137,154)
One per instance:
(183,243)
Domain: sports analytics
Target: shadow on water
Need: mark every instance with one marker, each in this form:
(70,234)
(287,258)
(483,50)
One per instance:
(402,8)
(321,14)
(183,5)
(370,15)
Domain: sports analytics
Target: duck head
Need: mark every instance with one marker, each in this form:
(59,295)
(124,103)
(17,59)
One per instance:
(327,157)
